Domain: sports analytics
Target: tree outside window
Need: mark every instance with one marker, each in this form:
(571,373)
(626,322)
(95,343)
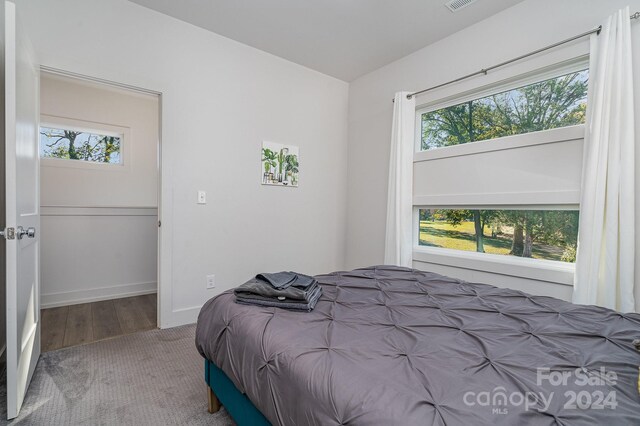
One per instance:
(550,104)
(541,234)
(78,145)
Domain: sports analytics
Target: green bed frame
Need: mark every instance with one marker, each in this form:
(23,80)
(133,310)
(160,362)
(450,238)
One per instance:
(222,391)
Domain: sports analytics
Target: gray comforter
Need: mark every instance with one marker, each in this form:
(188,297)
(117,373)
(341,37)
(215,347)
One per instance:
(394,346)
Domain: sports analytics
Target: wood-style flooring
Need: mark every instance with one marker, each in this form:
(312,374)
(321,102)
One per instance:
(89,322)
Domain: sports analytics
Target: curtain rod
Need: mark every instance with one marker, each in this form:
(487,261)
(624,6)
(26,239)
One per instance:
(526,55)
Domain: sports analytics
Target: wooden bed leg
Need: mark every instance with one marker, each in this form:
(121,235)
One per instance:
(214,403)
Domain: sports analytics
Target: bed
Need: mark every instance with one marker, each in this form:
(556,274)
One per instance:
(396,346)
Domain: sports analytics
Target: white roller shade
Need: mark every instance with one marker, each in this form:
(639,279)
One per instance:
(541,168)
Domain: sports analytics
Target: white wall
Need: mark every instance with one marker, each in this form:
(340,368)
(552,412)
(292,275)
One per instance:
(220,99)
(97,254)
(517,30)
(133,184)
(99,222)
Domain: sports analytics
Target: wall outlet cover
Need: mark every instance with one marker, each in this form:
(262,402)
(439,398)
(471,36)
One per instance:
(211,281)
(202,197)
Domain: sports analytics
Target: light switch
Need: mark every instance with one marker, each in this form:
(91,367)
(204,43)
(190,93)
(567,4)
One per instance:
(202,197)
(211,281)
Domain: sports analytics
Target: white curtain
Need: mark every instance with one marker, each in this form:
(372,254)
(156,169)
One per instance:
(605,260)
(399,235)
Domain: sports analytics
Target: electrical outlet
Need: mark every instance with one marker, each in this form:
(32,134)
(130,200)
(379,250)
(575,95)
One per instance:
(211,281)
(202,197)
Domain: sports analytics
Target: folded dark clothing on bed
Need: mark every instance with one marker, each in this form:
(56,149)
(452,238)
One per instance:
(302,305)
(278,279)
(290,306)
(316,293)
(303,281)
(285,279)
(262,288)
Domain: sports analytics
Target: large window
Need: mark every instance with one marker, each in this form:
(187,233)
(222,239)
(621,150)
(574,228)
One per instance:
(538,234)
(549,104)
(529,167)
(88,146)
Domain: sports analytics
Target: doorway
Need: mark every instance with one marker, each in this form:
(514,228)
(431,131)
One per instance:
(99,204)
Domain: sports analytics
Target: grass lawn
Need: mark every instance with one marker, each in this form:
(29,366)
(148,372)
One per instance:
(462,237)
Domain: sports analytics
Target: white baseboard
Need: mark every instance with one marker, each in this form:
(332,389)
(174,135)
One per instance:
(181,317)
(96,294)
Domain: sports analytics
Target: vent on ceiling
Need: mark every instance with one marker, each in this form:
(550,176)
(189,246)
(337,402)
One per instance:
(456,5)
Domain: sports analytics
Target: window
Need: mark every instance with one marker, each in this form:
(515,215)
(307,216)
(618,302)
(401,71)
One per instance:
(538,234)
(510,205)
(83,145)
(549,104)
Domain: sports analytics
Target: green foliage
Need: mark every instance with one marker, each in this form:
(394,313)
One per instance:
(72,145)
(268,159)
(549,104)
(100,151)
(425,214)
(60,152)
(569,254)
(111,146)
(554,228)
(447,126)
(455,217)
(281,157)
(462,237)
(480,218)
(557,227)
(291,163)
(291,167)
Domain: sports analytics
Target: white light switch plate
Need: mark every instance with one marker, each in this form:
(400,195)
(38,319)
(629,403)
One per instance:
(211,281)
(202,197)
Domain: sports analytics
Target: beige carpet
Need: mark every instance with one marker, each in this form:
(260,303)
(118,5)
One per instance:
(149,378)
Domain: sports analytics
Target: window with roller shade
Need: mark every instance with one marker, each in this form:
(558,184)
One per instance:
(549,104)
(497,175)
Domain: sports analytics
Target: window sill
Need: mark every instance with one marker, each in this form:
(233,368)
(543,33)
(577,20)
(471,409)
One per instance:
(80,164)
(535,269)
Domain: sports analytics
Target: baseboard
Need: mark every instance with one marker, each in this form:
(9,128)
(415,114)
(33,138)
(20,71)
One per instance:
(181,317)
(96,294)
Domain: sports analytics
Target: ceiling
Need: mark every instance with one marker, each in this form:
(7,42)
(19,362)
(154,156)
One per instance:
(341,38)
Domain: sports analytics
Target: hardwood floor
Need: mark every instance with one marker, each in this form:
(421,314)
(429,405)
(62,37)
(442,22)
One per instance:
(89,322)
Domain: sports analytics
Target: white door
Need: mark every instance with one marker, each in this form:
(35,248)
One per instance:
(22,175)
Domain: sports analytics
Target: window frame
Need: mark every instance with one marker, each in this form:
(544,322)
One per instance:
(63,123)
(541,74)
(554,272)
(551,271)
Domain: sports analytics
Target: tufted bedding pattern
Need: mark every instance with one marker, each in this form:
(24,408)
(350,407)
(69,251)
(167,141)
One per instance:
(395,346)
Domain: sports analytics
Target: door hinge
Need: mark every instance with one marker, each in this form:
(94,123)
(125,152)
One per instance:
(159,224)
(8,233)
